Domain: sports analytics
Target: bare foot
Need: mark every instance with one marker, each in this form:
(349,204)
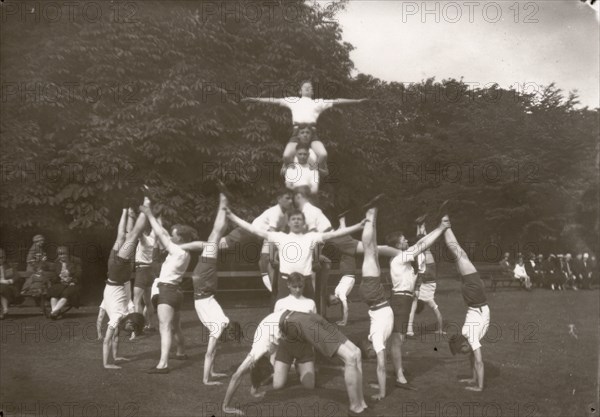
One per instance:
(377,397)
(212,382)
(374,385)
(231,410)
(341,323)
(122,359)
(467,380)
(218,375)
(476,389)
(110,366)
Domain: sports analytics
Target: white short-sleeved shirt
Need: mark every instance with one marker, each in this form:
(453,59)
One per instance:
(316,221)
(297,175)
(272,218)
(174,266)
(302,304)
(267,335)
(145,247)
(295,251)
(402,272)
(305,109)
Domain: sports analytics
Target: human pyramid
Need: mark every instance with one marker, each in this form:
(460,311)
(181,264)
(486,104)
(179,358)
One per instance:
(294,229)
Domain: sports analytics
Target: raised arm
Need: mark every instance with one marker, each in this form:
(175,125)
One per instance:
(425,242)
(161,233)
(195,246)
(345,231)
(236,378)
(245,225)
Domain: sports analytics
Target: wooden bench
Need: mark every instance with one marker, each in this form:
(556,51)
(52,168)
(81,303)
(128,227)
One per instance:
(496,274)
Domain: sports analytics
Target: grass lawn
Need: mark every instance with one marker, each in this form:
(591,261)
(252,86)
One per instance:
(533,367)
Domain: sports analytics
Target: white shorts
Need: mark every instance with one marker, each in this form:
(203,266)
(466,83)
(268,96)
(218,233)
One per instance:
(211,315)
(427,291)
(115,304)
(476,325)
(380,330)
(344,287)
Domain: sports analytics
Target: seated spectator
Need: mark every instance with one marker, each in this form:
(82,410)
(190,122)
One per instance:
(520,273)
(550,272)
(586,272)
(530,268)
(594,266)
(539,270)
(9,284)
(65,290)
(568,271)
(505,264)
(37,283)
(36,252)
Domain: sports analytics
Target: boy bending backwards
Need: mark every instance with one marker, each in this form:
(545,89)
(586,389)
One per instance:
(477,320)
(314,330)
(305,112)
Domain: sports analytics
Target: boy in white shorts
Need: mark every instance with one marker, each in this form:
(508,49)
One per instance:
(477,319)
(116,298)
(426,292)
(305,112)
(204,278)
(380,312)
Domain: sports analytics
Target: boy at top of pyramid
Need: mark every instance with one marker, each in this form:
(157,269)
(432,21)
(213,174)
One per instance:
(305,112)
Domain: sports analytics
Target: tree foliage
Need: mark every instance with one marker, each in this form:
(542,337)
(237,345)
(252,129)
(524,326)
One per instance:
(92,110)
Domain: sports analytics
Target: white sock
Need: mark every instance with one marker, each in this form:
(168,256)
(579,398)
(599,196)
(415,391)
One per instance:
(267,282)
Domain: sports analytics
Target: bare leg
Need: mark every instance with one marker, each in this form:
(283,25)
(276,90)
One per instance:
(280,374)
(321,152)
(397,341)
(350,355)
(121,231)
(149,313)
(127,250)
(4,302)
(165,321)
(306,372)
(463,264)
(178,334)
(411,318)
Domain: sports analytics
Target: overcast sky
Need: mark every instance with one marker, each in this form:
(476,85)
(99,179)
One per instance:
(506,42)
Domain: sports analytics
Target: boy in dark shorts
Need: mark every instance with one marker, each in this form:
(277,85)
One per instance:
(314,330)
(166,295)
(477,319)
(404,278)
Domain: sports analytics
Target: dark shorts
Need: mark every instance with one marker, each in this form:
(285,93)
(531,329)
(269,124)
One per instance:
(70,292)
(289,350)
(119,269)
(295,139)
(168,294)
(401,305)
(371,290)
(144,277)
(472,290)
(312,329)
(9,292)
(205,278)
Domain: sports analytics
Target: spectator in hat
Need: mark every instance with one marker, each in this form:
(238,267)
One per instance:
(36,252)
